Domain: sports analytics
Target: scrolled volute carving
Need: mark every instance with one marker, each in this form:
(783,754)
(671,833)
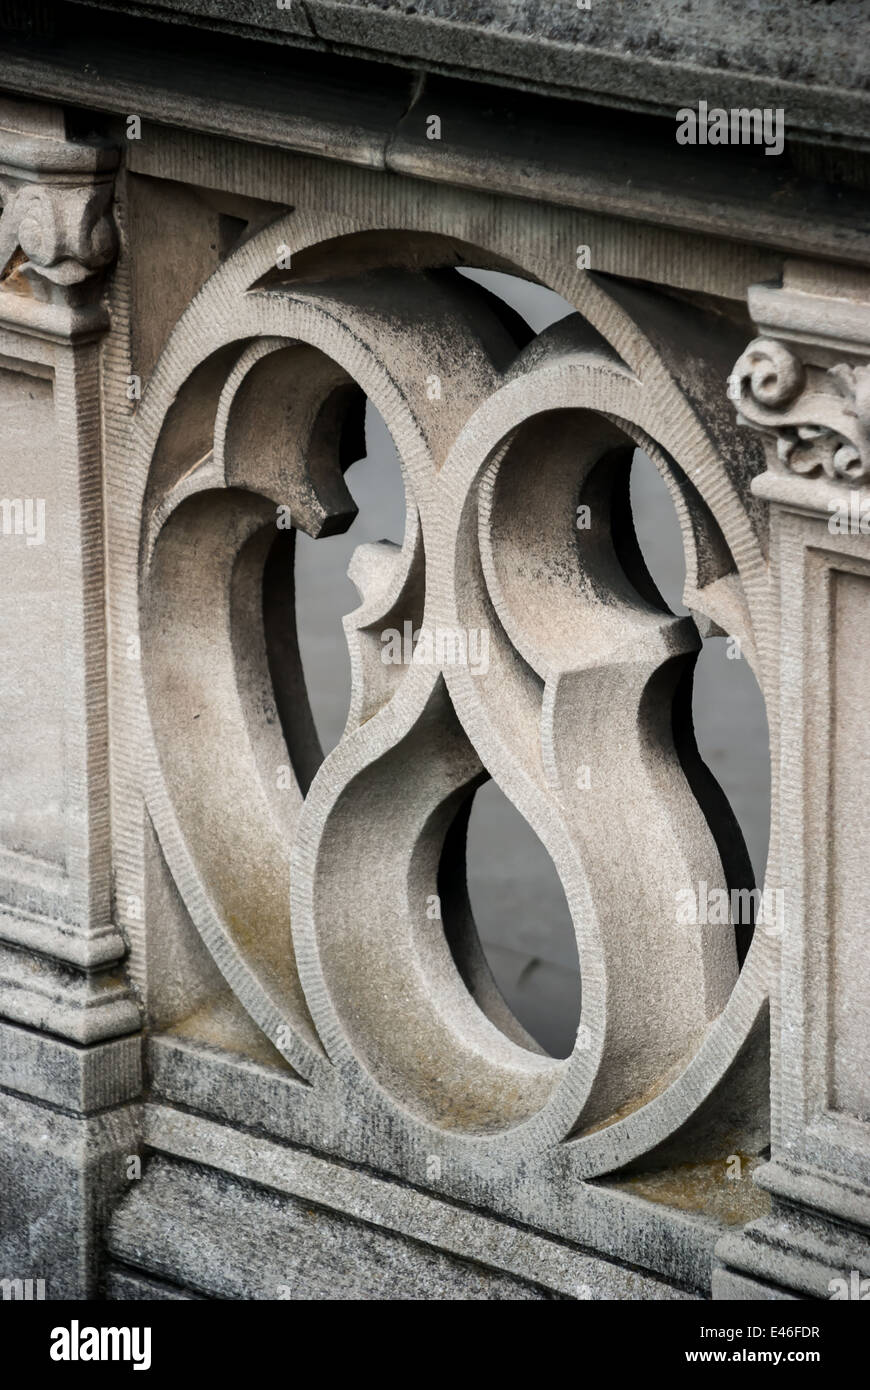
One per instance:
(818,417)
(65,232)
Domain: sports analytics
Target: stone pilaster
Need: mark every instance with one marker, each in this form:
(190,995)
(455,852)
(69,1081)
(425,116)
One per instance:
(805,384)
(68,1019)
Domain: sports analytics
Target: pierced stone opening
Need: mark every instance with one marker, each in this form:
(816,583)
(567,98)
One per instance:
(324,592)
(538,306)
(658,533)
(581,711)
(727,711)
(523,921)
(734,740)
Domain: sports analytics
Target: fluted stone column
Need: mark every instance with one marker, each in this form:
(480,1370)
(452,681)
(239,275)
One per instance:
(805,383)
(69,1051)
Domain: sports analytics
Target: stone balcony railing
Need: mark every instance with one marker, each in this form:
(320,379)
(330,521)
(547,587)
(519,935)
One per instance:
(252,1042)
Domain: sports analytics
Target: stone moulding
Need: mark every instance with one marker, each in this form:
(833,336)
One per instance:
(805,391)
(56,235)
(70,1060)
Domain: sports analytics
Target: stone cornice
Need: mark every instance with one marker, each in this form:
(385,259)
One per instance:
(495,137)
(636,57)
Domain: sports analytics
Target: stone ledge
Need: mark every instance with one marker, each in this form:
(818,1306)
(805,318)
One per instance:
(324,1231)
(807,58)
(78,1079)
(51,996)
(495,138)
(674,1247)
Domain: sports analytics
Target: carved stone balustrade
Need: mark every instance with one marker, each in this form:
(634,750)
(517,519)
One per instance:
(252,1044)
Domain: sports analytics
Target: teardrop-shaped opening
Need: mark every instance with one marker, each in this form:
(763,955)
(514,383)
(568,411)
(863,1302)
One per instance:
(727,707)
(523,922)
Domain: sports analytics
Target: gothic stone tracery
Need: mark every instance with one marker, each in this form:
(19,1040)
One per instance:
(380,1009)
(244,1004)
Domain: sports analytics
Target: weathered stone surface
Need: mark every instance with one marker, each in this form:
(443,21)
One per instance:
(810,199)
(60,948)
(127,1286)
(675,1244)
(806,392)
(60,1175)
(207,280)
(278,1248)
(766,54)
(227,1239)
(78,1079)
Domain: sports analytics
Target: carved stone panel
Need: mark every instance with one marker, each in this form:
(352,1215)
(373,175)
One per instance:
(311,880)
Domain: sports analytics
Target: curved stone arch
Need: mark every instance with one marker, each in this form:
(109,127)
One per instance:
(734,1034)
(597,299)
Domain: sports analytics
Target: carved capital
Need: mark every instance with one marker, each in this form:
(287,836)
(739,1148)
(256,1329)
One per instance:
(819,417)
(56,227)
(64,234)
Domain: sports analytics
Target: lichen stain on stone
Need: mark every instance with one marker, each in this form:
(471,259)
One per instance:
(219,1024)
(9,272)
(657,1088)
(704,1188)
